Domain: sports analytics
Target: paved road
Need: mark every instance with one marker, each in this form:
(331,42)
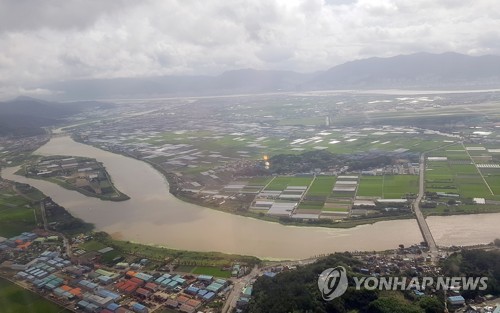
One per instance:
(238,286)
(241,283)
(422,223)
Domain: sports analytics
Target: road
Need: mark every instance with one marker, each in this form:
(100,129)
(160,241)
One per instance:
(241,283)
(44,215)
(238,286)
(422,223)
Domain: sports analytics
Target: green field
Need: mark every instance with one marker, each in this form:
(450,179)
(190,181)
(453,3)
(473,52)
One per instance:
(16,215)
(259,181)
(281,182)
(458,175)
(461,209)
(212,271)
(92,245)
(494,182)
(396,186)
(388,186)
(185,268)
(321,187)
(14,299)
(371,186)
(335,209)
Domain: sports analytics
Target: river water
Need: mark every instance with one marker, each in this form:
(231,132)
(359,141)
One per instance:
(154,216)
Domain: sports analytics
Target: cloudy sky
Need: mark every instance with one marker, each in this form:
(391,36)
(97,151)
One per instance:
(43,41)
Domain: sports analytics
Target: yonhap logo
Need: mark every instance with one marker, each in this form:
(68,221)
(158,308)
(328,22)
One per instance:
(332,283)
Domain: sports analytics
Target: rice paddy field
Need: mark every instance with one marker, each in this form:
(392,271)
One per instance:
(388,186)
(471,171)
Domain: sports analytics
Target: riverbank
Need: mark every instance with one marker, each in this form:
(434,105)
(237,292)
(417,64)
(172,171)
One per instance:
(347,223)
(153,216)
(21,214)
(326,223)
(94,183)
(451,210)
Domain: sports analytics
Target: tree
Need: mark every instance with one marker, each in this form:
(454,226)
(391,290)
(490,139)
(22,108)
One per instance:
(392,305)
(431,305)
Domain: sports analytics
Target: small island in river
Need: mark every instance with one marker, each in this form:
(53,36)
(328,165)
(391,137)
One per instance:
(85,175)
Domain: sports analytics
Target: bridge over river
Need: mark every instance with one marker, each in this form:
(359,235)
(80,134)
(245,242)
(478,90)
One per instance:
(422,223)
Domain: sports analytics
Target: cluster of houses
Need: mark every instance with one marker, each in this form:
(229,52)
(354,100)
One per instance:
(103,290)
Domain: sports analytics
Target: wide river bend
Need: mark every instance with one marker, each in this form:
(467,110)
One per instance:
(154,216)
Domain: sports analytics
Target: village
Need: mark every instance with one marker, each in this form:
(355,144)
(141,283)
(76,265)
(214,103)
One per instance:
(82,281)
(39,261)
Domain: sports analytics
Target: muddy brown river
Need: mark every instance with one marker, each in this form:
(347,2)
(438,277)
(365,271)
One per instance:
(154,216)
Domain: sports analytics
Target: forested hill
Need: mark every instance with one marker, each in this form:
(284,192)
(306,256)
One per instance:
(25,116)
(297,291)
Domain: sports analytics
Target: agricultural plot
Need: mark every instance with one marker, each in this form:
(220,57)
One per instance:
(311,205)
(458,174)
(321,187)
(259,181)
(281,182)
(15,299)
(494,182)
(336,207)
(371,186)
(472,186)
(396,186)
(212,271)
(388,186)
(16,214)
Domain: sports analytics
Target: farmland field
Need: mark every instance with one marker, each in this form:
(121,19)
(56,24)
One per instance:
(16,215)
(494,182)
(459,175)
(322,186)
(371,186)
(281,182)
(388,186)
(14,299)
(212,271)
(396,186)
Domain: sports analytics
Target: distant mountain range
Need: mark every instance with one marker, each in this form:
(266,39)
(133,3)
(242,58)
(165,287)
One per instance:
(414,71)
(420,70)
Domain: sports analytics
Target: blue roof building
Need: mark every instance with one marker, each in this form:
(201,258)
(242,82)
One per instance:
(209,296)
(192,290)
(139,308)
(108,294)
(456,300)
(112,306)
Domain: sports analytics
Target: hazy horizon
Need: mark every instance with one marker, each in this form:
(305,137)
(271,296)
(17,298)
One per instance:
(109,39)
